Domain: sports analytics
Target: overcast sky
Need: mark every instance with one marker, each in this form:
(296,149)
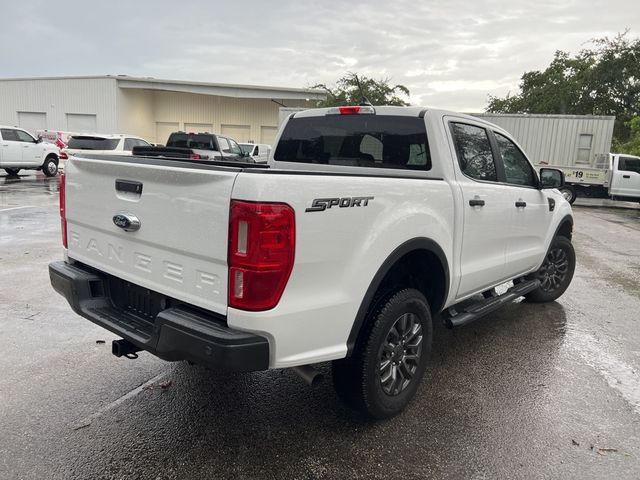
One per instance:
(450,54)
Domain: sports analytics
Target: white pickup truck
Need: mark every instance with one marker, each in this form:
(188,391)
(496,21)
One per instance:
(613,175)
(367,223)
(20,151)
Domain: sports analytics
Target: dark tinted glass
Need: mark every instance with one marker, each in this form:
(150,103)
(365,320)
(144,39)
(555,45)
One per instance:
(517,169)
(129,143)
(474,152)
(200,141)
(629,164)
(93,143)
(377,141)
(9,135)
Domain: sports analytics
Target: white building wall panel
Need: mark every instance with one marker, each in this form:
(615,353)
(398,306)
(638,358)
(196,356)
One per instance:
(554,138)
(187,108)
(136,114)
(59,97)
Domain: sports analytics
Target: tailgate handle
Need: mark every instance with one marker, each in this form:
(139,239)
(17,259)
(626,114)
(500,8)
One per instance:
(626,176)
(129,186)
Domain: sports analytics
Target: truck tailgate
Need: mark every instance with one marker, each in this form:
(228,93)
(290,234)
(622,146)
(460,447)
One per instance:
(180,249)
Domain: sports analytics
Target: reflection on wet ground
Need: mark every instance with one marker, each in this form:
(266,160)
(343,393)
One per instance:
(535,391)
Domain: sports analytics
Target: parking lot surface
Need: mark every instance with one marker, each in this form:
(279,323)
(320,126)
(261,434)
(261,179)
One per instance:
(534,391)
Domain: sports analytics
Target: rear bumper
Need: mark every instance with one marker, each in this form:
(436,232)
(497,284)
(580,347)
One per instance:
(179,332)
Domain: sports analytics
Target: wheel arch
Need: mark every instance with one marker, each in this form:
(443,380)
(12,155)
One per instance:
(51,155)
(419,263)
(564,228)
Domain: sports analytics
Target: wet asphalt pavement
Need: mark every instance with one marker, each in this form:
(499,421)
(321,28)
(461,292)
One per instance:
(535,391)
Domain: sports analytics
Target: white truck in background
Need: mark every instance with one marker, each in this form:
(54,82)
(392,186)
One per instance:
(614,175)
(19,150)
(366,223)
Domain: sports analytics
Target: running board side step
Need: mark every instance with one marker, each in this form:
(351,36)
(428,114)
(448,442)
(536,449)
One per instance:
(453,318)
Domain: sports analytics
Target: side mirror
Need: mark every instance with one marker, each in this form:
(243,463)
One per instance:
(39,139)
(551,178)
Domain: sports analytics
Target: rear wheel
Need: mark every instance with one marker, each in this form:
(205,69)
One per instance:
(50,167)
(389,360)
(12,172)
(556,271)
(569,193)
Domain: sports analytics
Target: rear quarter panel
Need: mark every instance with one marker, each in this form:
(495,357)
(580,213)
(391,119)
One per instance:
(338,252)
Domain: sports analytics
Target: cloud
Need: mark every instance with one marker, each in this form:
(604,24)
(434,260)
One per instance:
(450,55)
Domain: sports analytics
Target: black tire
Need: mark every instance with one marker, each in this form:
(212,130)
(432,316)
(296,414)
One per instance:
(556,272)
(359,379)
(50,166)
(569,193)
(12,172)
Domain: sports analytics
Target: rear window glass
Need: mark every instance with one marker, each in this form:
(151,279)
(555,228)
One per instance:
(378,141)
(93,143)
(200,141)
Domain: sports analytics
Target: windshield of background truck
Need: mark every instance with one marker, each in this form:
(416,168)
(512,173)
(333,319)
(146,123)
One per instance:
(199,141)
(379,141)
(93,143)
(246,148)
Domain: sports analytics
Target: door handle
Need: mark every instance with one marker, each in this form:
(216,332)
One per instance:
(476,202)
(521,204)
(626,176)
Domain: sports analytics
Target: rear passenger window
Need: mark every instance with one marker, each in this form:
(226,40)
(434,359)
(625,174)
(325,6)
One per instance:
(129,143)
(517,169)
(628,164)
(474,152)
(9,135)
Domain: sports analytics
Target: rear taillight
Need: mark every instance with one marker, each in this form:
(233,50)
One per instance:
(262,238)
(63,209)
(195,156)
(63,155)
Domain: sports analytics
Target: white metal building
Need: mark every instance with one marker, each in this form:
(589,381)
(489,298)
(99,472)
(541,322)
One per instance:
(147,107)
(557,139)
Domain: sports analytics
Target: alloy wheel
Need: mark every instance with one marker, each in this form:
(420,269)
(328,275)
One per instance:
(400,354)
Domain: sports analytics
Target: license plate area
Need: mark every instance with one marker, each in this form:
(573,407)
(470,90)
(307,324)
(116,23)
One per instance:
(136,300)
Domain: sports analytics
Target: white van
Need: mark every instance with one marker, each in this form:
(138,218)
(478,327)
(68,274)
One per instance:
(258,151)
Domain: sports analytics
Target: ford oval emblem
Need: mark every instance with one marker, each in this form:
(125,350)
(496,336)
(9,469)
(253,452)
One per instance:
(126,221)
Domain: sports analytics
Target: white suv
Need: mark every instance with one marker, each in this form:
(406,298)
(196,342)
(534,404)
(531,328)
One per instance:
(95,144)
(19,150)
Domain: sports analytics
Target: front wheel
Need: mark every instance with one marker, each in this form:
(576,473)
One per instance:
(384,372)
(50,167)
(556,272)
(12,172)
(569,193)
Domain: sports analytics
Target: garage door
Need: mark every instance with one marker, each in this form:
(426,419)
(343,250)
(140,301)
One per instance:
(198,127)
(240,133)
(32,121)
(268,135)
(164,129)
(81,123)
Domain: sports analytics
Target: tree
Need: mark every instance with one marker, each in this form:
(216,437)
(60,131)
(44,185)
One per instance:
(601,80)
(350,89)
(631,146)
